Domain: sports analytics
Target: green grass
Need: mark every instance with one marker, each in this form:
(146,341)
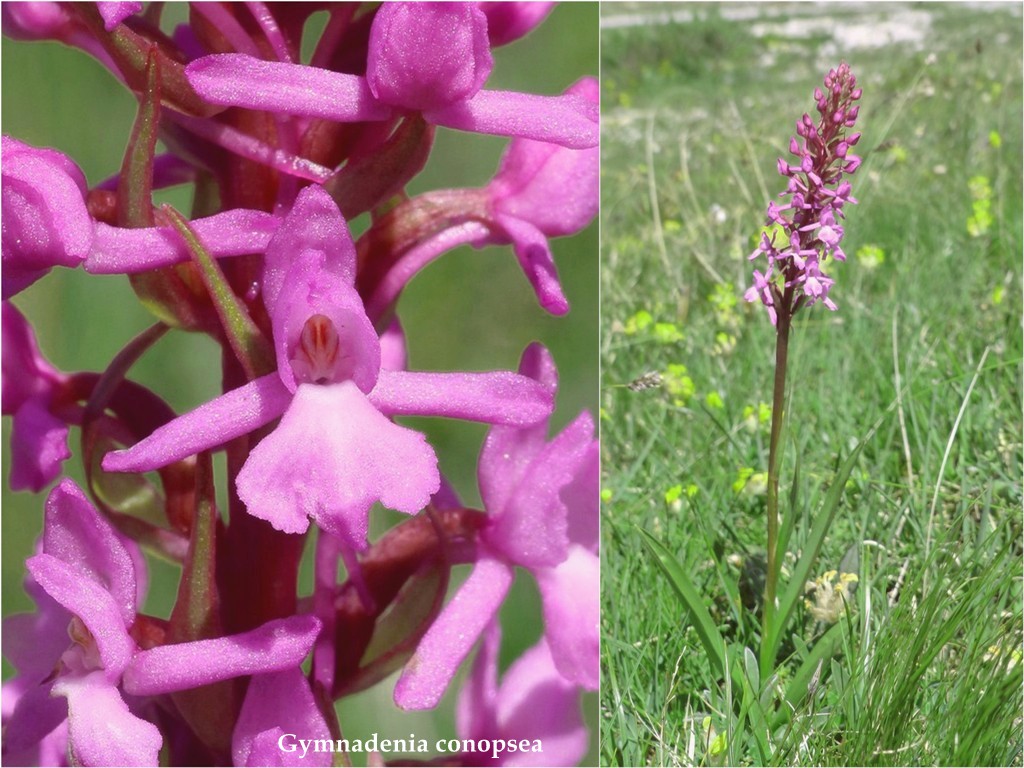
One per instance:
(471,310)
(926,344)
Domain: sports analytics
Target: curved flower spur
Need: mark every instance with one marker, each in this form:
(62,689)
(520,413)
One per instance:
(282,156)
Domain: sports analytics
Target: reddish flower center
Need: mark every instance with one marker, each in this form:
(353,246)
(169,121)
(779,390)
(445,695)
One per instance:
(315,360)
(84,651)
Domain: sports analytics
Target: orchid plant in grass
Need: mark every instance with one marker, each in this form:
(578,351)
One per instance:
(803,235)
(283,155)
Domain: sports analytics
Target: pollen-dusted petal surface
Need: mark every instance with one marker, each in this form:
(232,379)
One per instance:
(76,534)
(91,603)
(45,222)
(271,647)
(331,458)
(535,702)
(552,187)
(452,635)
(531,527)
(497,397)
(572,615)
(428,55)
(275,704)
(231,415)
(239,80)
(567,120)
(534,255)
(508,452)
(126,251)
(102,729)
(314,223)
(114,13)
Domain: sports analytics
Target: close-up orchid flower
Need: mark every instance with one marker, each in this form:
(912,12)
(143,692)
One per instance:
(287,464)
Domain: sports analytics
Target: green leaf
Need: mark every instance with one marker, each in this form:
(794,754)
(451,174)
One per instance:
(753,674)
(195,615)
(402,625)
(163,291)
(708,633)
(750,709)
(135,186)
(247,341)
(822,523)
(800,683)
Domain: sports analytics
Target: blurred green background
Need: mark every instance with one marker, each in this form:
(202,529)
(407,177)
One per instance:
(471,310)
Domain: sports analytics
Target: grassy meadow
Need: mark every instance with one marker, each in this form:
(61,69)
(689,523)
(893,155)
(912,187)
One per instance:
(918,662)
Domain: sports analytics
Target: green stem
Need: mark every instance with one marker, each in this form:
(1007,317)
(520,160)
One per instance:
(774,451)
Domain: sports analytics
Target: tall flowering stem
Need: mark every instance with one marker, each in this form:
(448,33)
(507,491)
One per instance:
(801,236)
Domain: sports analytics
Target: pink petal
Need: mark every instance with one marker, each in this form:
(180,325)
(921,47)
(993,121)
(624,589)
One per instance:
(509,21)
(572,614)
(33,21)
(498,397)
(582,499)
(26,373)
(46,222)
(452,635)
(476,709)
(314,223)
(276,704)
(265,750)
(238,80)
(534,255)
(102,730)
(114,13)
(531,529)
(331,458)
(570,121)
(535,703)
(34,715)
(212,424)
(91,603)
(392,347)
(76,534)
(169,170)
(34,642)
(427,55)
(554,188)
(126,251)
(39,447)
(509,451)
(277,645)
